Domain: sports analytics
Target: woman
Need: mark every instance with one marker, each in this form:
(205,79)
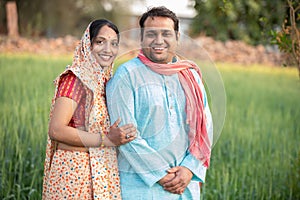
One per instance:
(81,158)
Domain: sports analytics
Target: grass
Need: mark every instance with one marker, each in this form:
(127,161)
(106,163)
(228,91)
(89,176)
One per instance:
(256,157)
(26,92)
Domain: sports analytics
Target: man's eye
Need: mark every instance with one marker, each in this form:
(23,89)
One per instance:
(150,35)
(167,34)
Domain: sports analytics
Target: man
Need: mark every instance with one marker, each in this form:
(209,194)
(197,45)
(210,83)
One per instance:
(165,99)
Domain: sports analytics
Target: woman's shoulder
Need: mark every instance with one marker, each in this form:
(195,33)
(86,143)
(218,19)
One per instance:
(67,74)
(70,78)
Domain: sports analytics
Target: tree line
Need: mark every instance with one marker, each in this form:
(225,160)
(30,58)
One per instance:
(275,22)
(56,18)
(252,21)
(246,20)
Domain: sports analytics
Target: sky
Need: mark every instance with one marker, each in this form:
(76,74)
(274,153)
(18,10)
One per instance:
(179,7)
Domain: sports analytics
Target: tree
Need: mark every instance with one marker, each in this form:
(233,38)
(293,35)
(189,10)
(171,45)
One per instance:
(288,38)
(245,20)
(12,19)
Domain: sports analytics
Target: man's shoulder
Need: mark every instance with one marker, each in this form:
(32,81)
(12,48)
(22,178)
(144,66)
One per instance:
(132,63)
(124,70)
(128,66)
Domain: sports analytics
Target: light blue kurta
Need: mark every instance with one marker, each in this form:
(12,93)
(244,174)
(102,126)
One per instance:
(155,104)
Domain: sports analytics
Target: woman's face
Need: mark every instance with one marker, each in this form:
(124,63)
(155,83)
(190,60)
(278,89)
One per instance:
(105,46)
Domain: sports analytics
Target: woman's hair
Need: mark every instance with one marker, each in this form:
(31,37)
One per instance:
(160,11)
(98,24)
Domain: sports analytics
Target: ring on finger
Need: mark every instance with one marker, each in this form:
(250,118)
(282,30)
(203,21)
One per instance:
(127,136)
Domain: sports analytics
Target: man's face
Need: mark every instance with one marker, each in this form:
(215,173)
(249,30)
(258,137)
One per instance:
(159,41)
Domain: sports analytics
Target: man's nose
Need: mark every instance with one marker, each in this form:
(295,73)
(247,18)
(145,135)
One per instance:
(159,39)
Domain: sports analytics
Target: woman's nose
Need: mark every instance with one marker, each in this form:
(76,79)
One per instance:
(107,47)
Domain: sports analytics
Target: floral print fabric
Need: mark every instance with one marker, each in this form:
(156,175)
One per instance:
(71,168)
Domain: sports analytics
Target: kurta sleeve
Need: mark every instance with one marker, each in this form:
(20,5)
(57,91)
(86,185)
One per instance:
(144,160)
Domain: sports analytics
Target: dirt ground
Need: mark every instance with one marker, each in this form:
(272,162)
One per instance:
(230,51)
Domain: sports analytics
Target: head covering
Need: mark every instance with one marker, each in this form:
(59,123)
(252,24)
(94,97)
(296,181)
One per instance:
(103,161)
(199,141)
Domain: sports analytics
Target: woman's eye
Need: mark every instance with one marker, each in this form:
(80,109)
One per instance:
(115,44)
(99,42)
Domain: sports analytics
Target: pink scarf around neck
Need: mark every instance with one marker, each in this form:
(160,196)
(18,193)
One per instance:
(199,141)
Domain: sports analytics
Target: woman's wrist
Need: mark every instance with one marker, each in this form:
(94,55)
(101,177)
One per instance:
(102,140)
(108,142)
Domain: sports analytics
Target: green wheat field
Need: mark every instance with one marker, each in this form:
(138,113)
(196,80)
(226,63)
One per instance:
(256,157)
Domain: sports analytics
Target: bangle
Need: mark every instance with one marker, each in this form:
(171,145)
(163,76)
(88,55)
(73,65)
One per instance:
(102,140)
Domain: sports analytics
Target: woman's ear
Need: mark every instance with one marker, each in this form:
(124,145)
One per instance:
(177,36)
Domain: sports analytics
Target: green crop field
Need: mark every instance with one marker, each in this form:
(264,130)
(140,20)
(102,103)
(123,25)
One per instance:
(256,157)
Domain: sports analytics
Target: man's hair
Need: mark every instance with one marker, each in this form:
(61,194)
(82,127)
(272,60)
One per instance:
(160,11)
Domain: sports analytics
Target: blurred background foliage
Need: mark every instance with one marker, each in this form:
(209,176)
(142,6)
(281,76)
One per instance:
(57,18)
(251,21)
(248,20)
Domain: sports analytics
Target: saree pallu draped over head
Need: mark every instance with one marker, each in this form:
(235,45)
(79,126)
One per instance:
(103,160)
(199,141)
